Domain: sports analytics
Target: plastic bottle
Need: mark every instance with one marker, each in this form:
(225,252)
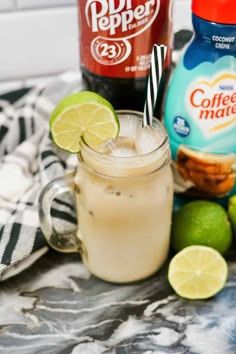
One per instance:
(200,106)
(116,39)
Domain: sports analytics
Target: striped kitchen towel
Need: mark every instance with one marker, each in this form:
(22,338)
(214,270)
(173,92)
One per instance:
(28,161)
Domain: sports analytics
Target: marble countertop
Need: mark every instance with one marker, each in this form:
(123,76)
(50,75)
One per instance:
(57,307)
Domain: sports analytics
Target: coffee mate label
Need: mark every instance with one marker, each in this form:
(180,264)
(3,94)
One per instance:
(116,36)
(202,127)
(212,103)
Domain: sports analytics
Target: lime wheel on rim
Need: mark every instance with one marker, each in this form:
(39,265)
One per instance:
(83,115)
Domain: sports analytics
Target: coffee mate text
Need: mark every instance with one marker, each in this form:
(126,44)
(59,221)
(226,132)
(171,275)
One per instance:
(110,15)
(220,105)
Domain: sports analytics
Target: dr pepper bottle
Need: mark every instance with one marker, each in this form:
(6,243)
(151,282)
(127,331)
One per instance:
(116,39)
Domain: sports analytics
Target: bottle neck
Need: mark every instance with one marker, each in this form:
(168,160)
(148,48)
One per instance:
(221,36)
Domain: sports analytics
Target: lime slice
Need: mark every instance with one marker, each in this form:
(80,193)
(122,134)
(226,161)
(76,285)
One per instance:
(83,115)
(197,272)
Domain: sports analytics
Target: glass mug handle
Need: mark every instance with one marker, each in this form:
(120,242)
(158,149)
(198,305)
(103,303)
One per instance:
(63,242)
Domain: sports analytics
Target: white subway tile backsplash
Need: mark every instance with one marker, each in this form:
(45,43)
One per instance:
(35,43)
(39,39)
(182,18)
(30,4)
(6,5)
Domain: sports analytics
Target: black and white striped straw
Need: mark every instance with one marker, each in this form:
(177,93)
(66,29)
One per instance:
(157,63)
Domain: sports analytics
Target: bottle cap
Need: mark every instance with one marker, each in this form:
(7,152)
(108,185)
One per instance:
(219,11)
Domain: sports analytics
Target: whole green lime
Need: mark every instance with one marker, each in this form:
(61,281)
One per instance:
(232,212)
(203,223)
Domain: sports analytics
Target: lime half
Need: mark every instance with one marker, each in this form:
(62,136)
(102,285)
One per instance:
(197,272)
(83,115)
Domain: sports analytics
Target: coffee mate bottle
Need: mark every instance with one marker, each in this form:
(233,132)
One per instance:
(116,40)
(200,107)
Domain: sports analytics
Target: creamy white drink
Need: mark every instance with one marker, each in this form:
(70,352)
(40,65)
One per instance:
(124,202)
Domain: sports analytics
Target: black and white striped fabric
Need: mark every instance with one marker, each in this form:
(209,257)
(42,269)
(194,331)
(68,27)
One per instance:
(28,161)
